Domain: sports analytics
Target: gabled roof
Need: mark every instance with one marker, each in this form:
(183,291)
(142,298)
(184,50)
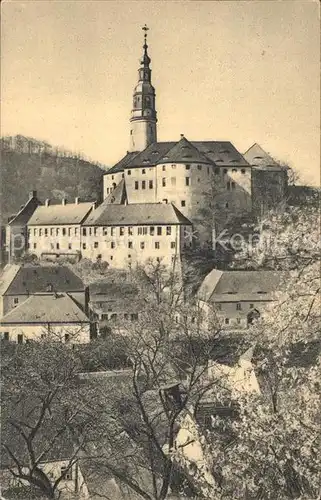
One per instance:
(43,309)
(221,153)
(22,217)
(71,213)
(233,286)
(36,279)
(119,195)
(262,160)
(119,166)
(186,152)
(135,214)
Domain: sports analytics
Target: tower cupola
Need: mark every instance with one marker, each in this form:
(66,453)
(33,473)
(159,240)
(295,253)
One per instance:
(143,116)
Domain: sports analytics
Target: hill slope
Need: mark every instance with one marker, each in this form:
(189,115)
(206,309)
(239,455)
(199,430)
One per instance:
(51,174)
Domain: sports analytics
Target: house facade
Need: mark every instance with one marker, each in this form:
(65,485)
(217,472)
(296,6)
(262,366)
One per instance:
(237,298)
(55,230)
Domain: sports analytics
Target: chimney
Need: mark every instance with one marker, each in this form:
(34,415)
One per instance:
(64,201)
(182,135)
(32,194)
(165,200)
(47,202)
(77,200)
(95,204)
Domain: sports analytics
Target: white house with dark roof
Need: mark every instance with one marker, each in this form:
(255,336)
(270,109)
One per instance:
(237,298)
(54,316)
(55,230)
(125,235)
(18,283)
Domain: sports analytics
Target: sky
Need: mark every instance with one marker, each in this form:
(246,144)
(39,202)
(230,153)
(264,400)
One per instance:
(239,71)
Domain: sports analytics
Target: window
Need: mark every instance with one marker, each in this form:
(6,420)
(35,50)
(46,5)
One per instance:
(239,307)
(183,203)
(187,181)
(20,338)
(16,300)
(40,232)
(139,231)
(52,246)
(152,231)
(64,231)
(84,246)
(225,171)
(84,231)
(233,185)
(199,167)
(129,172)
(112,177)
(143,171)
(227,321)
(243,170)
(173,166)
(226,205)
(112,231)
(134,316)
(228,185)
(150,184)
(67,337)
(125,316)
(142,245)
(35,232)
(234,170)
(69,231)
(96,244)
(216,171)
(130,244)
(51,231)
(89,231)
(76,231)
(69,246)
(105,231)
(145,230)
(143,184)
(121,231)
(130,231)
(173,244)
(164,182)
(159,231)
(168,230)
(164,168)
(157,245)
(219,306)
(6,336)
(111,257)
(46,232)
(251,306)
(112,245)
(136,185)
(157,259)
(35,245)
(187,167)
(173,181)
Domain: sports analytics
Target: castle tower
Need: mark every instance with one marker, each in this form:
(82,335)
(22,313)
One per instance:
(143,117)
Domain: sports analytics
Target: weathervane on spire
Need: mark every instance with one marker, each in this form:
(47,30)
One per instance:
(145,28)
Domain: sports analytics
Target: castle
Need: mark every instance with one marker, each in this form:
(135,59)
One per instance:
(161,198)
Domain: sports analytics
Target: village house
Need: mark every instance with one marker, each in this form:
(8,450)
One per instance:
(52,316)
(19,282)
(55,230)
(236,298)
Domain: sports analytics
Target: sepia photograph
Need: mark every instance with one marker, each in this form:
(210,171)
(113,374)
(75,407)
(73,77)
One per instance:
(160,250)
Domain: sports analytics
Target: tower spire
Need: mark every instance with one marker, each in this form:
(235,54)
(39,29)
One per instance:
(143,117)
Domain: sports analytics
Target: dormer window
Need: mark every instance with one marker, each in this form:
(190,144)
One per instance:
(143,171)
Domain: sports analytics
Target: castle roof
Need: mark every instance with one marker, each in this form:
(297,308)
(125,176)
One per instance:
(136,214)
(218,153)
(43,309)
(71,213)
(262,160)
(184,151)
(235,286)
(36,279)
